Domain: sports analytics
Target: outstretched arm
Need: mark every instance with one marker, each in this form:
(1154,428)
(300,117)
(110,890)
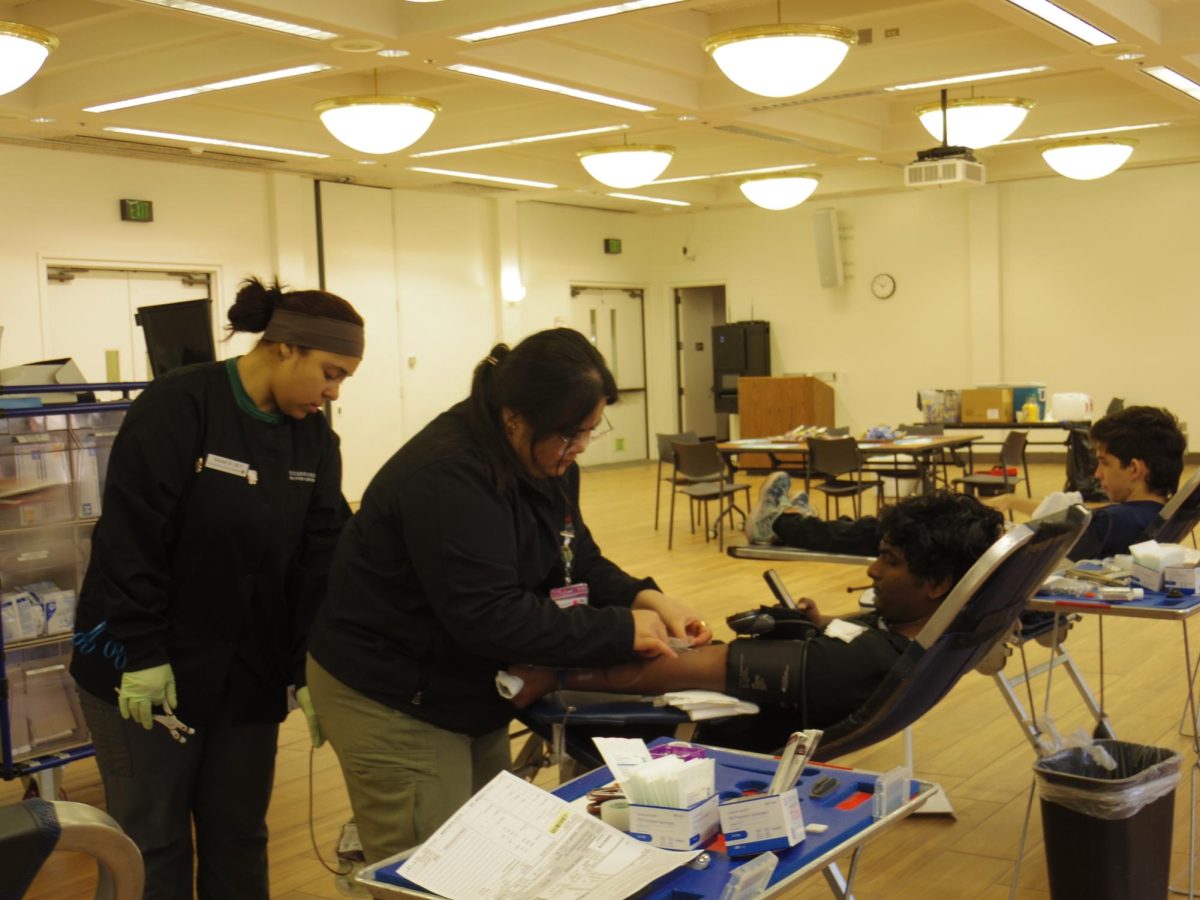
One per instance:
(702,668)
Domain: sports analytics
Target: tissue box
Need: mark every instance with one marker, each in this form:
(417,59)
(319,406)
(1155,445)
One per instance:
(1150,579)
(1182,578)
(767,822)
(674,829)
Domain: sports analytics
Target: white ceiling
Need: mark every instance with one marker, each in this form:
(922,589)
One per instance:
(117,49)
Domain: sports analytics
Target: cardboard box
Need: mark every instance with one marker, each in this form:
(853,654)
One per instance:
(1181,578)
(987,405)
(674,829)
(1147,578)
(40,374)
(753,825)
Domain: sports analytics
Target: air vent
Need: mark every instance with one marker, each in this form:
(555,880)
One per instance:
(137,150)
(761,135)
(807,101)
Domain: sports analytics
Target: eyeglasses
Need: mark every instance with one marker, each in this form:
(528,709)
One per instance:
(585,437)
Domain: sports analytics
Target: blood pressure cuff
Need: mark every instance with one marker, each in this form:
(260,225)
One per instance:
(767,672)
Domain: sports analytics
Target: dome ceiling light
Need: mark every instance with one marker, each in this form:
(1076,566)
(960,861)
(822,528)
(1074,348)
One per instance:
(23,49)
(628,165)
(780,60)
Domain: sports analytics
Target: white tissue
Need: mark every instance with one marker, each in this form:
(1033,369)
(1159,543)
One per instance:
(1059,500)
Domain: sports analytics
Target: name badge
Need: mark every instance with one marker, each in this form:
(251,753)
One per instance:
(228,466)
(570,595)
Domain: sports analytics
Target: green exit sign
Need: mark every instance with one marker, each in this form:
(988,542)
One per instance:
(612,245)
(137,211)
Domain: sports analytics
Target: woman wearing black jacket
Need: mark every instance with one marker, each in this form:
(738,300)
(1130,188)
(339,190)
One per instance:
(222,509)
(470,552)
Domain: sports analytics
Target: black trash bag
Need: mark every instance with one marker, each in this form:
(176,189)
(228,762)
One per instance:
(1081,466)
(1074,779)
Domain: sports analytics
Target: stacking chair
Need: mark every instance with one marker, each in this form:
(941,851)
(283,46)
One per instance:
(833,458)
(666,455)
(1012,456)
(32,829)
(702,474)
(901,469)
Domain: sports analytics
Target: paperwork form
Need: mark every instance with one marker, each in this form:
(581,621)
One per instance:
(513,839)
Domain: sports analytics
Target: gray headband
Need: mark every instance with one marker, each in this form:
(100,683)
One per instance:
(315,332)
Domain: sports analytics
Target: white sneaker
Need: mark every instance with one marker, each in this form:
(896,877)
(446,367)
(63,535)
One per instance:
(772,500)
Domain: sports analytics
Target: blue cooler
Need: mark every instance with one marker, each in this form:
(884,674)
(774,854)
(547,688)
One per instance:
(1023,393)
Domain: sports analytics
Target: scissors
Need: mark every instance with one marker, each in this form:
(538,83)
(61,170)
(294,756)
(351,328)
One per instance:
(116,652)
(86,642)
(168,720)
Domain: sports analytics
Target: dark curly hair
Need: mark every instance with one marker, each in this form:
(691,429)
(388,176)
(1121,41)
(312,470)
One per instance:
(941,534)
(1150,434)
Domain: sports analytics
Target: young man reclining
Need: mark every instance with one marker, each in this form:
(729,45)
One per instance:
(929,542)
(1139,458)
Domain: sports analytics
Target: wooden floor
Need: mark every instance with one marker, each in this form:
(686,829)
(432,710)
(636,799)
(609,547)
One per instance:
(970,743)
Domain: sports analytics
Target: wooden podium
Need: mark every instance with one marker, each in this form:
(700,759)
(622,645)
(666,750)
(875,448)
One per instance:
(769,406)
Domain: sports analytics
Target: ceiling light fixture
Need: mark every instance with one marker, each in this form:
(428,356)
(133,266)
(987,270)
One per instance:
(216,142)
(241,18)
(532,139)
(1086,159)
(975,121)
(537,84)
(582,15)
(1090,132)
(214,86)
(662,201)
(23,49)
(475,176)
(780,60)
(778,192)
(377,123)
(1169,76)
(761,171)
(627,166)
(1060,18)
(965,79)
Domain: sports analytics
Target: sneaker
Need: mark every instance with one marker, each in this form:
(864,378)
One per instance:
(772,500)
(800,505)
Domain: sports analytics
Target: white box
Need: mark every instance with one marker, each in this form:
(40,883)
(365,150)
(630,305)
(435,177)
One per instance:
(764,822)
(1183,578)
(1150,579)
(674,829)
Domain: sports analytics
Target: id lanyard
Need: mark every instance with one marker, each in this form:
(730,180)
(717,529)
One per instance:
(568,555)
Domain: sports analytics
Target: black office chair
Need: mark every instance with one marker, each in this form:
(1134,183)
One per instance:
(839,461)
(32,829)
(1012,456)
(704,470)
(1115,405)
(666,456)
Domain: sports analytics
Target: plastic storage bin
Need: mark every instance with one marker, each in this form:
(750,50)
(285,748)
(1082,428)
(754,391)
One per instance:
(1108,832)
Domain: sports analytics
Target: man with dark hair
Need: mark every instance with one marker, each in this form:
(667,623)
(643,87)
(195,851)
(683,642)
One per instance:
(929,542)
(1139,458)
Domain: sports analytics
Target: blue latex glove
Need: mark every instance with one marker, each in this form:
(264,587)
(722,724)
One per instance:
(142,689)
(304,700)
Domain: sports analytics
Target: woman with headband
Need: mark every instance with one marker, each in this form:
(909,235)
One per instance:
(470,550)
(221,512)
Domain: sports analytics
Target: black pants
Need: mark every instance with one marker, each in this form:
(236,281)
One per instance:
(154,787)
(857,536)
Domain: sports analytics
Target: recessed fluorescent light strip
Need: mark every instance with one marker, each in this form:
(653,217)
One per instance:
(231,15)
(1091,131)
(963,79)
(662,201)
(521,80)
(475,176)
(582,15)
(216,142)
(731,174)
(533,139)
(1170,77)
(206,88)
(1060,18)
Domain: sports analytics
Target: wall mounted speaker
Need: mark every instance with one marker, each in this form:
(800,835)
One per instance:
(829,247)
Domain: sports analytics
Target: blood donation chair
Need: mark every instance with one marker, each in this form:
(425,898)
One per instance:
(32,829)
(980,611)
(1179,515)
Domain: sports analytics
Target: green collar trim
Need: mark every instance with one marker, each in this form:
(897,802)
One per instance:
(243,399)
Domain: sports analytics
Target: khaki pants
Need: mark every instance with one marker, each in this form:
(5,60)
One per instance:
(405,777)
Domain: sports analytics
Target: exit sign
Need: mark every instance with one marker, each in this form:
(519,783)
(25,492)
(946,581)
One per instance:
(612,245)
(137,211)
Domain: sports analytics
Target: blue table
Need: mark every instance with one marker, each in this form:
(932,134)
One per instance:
(846,810)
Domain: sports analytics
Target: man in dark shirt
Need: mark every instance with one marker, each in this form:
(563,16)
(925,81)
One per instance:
(1139,458)
(929,542)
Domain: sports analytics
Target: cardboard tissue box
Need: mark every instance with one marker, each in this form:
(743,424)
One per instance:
(674,829)
(762,822)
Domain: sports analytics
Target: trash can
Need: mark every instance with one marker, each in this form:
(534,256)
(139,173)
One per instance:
(1108,831)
